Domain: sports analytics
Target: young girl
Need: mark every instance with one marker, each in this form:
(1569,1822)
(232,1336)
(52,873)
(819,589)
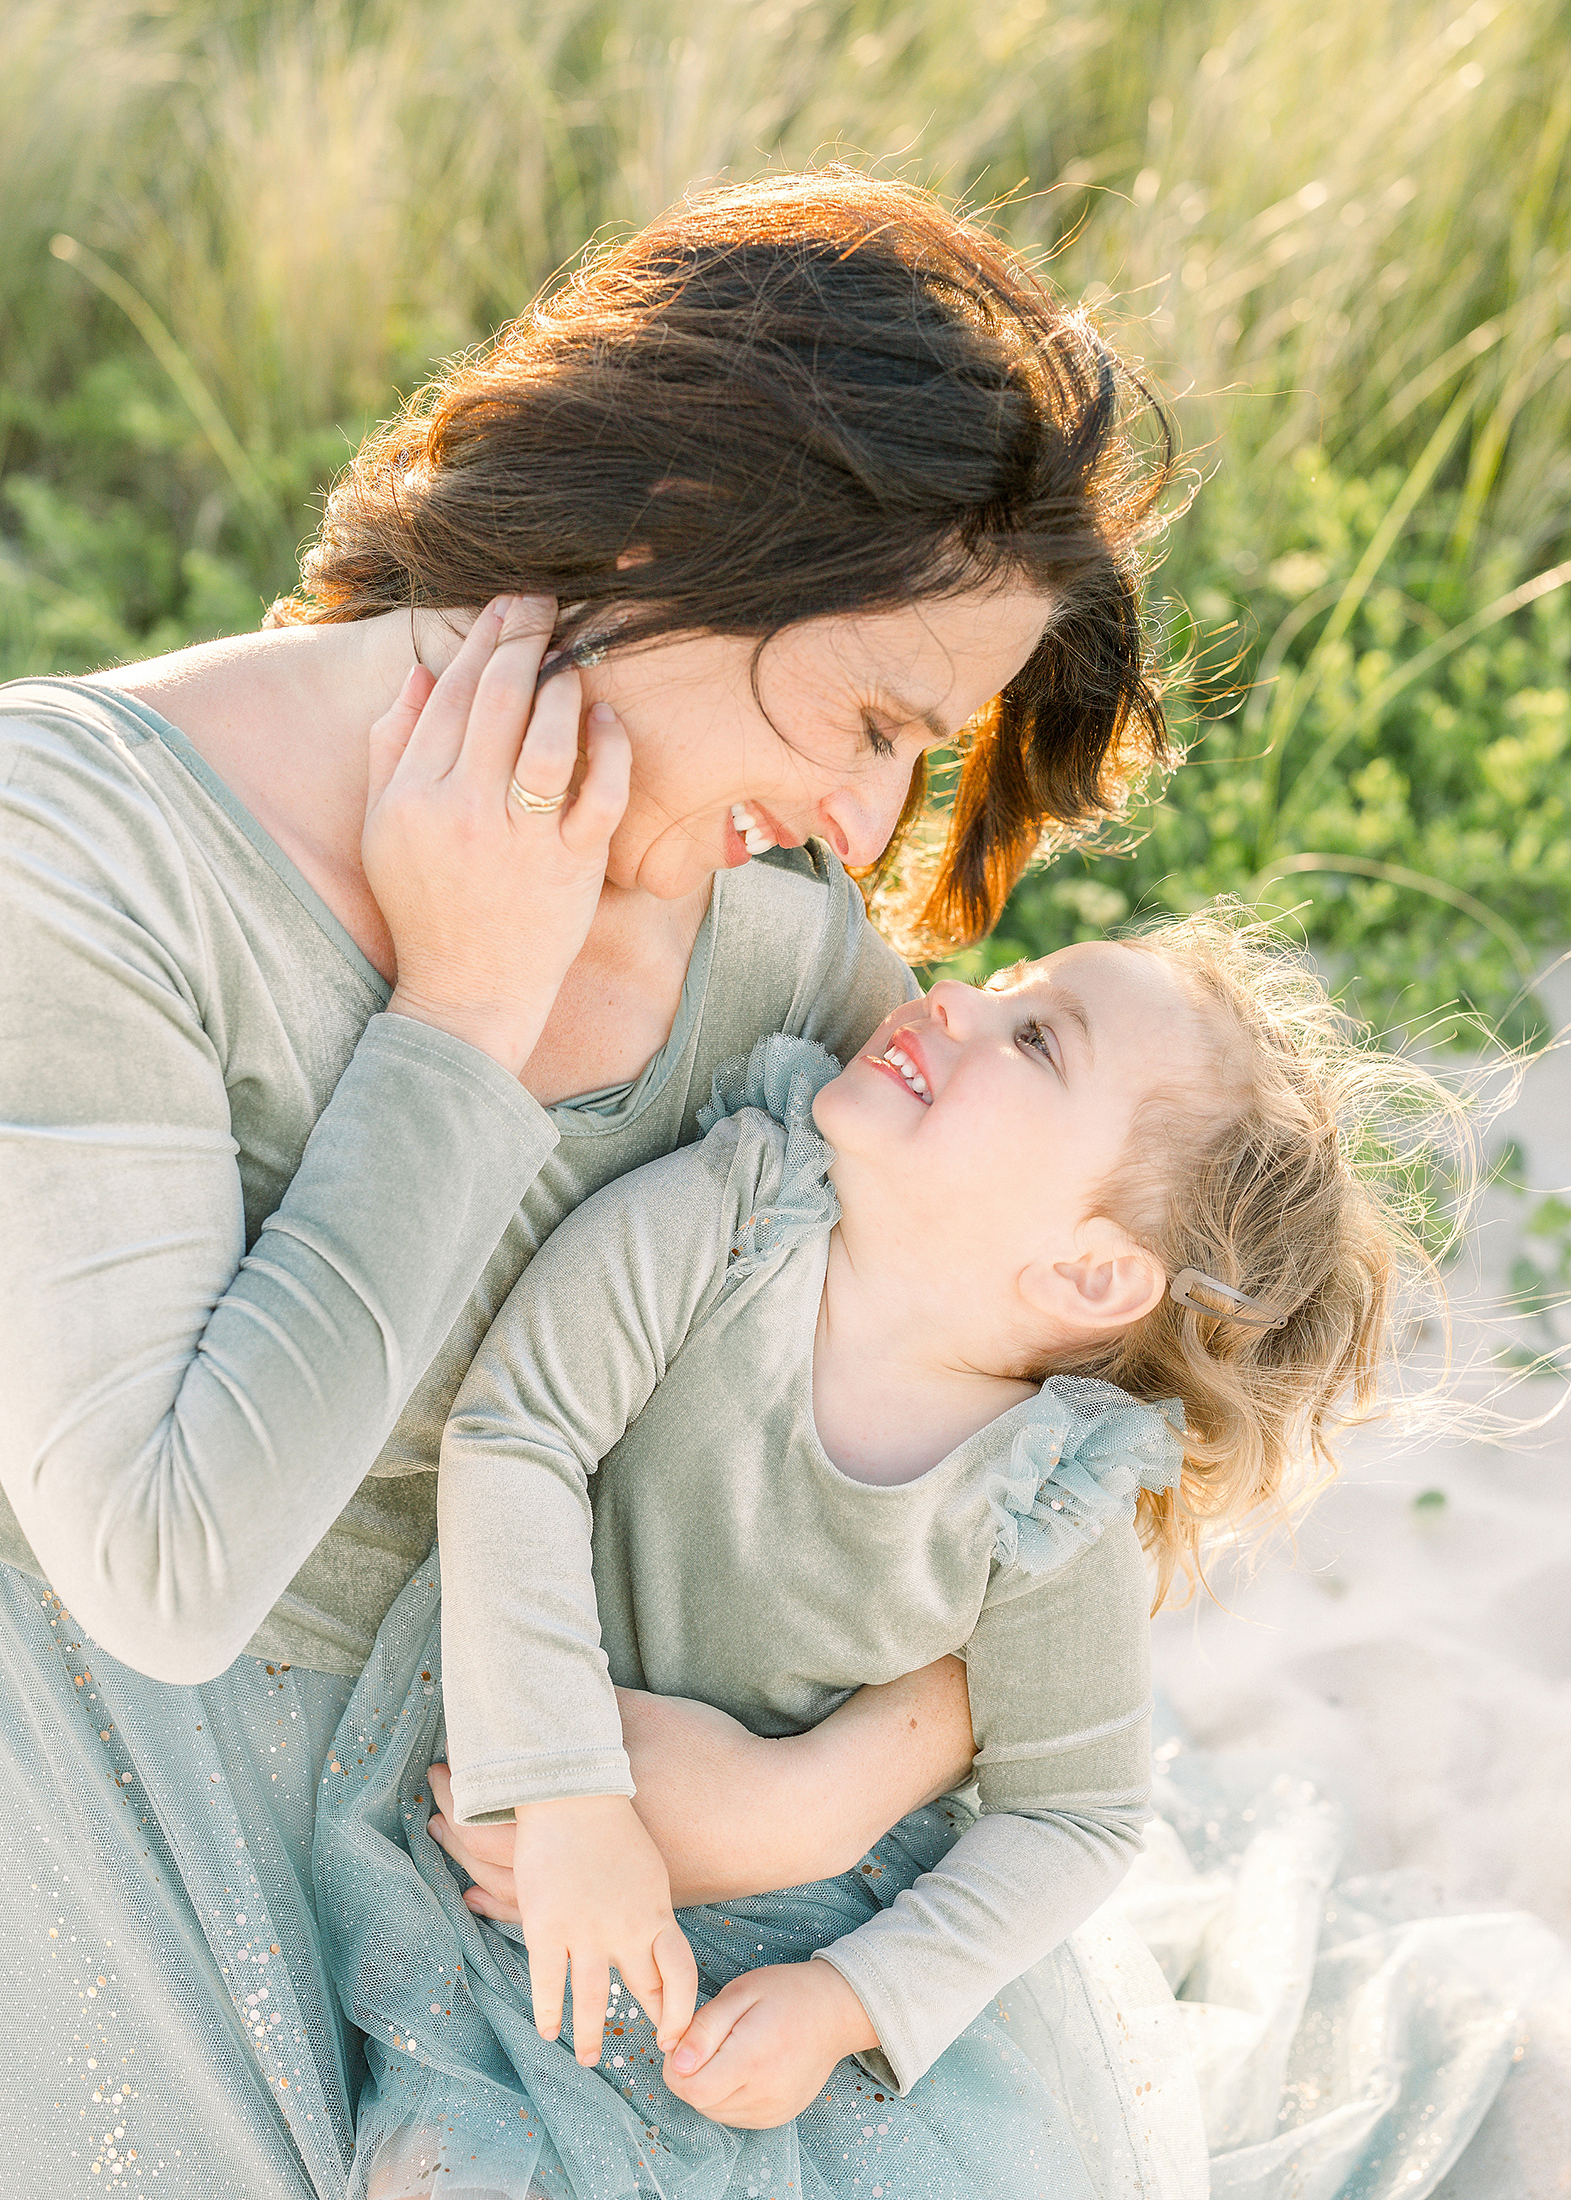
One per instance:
(894,1363)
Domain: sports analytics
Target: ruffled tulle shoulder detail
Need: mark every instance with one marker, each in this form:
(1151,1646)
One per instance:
(1081,1456)
(782,1076)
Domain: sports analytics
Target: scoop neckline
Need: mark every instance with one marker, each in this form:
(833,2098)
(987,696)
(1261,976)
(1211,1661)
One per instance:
(621,1102)
(954,1463)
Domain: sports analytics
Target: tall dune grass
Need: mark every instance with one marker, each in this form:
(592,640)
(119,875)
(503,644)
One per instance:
(1340,238)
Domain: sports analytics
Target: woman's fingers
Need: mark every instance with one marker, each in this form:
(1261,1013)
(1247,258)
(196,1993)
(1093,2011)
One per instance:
(516,628)
(391,734)
(516,731)
(596,810)
(488,900)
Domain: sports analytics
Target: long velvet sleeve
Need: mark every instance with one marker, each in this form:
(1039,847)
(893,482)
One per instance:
(1059,1675)
(571,1362)
(183,1413)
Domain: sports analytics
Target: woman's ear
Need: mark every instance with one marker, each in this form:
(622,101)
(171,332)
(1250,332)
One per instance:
(1109,1284)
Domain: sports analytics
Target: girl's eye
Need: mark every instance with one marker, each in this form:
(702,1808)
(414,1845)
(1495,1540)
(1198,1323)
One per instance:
(877,740)
(1038,1038)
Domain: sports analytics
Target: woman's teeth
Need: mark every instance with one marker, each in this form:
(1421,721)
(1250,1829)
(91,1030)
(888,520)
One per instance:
(752,835)
(897,1058)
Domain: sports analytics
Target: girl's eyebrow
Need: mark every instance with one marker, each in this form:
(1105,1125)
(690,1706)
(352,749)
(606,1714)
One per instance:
(1074,1008)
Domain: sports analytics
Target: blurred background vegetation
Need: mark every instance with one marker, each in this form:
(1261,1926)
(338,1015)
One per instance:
(1339,237)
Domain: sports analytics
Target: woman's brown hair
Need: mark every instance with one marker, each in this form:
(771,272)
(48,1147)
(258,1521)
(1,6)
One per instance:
(801,397)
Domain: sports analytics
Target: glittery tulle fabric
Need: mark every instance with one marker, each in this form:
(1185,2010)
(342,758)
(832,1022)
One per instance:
(171,2025)
(1232,2023)
(464,2092)
(782,1076)
(1083,1453)
(1343,2048)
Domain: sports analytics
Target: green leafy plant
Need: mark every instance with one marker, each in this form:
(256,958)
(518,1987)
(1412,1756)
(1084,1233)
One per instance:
(1343,235)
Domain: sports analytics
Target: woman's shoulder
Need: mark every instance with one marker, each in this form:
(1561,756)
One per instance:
(52,723)
(796,952)
(86,807)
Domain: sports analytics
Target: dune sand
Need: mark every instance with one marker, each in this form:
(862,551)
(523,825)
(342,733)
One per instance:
(1415,1653)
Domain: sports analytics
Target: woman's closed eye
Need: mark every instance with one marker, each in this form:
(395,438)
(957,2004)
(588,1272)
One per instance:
(880,742)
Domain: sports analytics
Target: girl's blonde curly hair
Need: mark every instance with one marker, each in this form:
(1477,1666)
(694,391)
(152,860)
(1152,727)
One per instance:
(1306,1168)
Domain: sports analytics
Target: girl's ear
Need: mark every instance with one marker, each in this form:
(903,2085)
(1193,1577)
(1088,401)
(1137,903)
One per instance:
(1110,1283)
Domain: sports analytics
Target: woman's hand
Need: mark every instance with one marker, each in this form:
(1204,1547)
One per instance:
(593,1892)
(488,902)
(767,2045)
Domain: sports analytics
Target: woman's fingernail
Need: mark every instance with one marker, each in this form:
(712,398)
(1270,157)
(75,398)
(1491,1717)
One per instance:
(406,693)
(685,2061)
(601,714)
(499,607)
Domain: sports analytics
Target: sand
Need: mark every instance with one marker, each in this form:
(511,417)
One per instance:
(1415,1652)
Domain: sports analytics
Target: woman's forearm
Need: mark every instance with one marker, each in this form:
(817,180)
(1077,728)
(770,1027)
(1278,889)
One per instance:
(733,1814)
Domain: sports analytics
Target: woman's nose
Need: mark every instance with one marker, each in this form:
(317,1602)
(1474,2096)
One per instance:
(859,821)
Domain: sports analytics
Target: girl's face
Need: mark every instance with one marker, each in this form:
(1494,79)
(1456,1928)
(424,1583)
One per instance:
(824,749)
(984,1122)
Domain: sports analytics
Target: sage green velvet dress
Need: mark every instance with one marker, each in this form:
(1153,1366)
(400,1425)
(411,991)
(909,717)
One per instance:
(254,1230)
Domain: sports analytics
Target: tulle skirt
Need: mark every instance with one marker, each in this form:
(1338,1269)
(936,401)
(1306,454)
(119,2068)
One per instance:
(171,2027)
(465,2095)
(1228,2024)
(175,2027)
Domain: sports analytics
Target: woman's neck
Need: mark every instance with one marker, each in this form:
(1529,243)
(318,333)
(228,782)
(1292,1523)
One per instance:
(283,717)
(891,1393)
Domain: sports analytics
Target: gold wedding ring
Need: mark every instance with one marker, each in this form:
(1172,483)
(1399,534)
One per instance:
(538,805)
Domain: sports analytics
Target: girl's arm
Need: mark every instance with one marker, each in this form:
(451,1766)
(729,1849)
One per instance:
(1059,1680)
(733,1814)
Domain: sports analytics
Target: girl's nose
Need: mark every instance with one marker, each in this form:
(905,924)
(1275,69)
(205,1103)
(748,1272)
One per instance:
(951,1002)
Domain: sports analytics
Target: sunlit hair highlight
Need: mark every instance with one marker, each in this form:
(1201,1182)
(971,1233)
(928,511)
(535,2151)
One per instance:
(1307,1168)
(804,397)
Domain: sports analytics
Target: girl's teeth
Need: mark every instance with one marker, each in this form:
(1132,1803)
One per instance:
(897,1059)
(753,837)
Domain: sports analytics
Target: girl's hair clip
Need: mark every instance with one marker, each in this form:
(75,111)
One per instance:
(1240,1307)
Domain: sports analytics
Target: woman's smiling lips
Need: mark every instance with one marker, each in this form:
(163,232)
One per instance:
(751,830)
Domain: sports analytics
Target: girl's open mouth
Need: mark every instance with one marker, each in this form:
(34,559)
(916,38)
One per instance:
(895,1057)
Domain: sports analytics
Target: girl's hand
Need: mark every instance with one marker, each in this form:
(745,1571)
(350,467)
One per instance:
(591,1892)
(767,2045)
(487,902)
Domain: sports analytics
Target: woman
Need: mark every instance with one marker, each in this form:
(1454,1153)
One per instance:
(335,981)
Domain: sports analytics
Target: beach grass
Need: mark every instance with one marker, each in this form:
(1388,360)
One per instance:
(1339,240)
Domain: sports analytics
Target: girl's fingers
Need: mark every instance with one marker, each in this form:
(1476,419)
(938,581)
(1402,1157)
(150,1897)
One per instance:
(596,810)
(678,1985)
(548,1990)
(591,1996)
(708,2031)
